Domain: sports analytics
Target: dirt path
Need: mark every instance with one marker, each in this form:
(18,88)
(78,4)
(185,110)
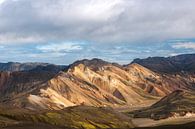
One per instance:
(129,108)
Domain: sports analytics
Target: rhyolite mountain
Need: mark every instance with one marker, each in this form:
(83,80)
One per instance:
(90,82)
(174,64)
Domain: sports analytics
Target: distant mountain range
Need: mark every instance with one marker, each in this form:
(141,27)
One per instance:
(174,64)
(15,66)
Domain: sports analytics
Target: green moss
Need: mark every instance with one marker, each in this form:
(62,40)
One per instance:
(53,115)
(54,118)
(102,126)
(86,125)
(34,118)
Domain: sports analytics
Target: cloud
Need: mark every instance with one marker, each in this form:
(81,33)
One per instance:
(68,52)
(60,47)
(1,1)
(15,39)
(109,21)
(184,45)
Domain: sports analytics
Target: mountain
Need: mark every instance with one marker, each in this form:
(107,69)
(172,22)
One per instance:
(15,66)
(81,85)
(88,93)
(178,103)
(90,82)
(174,64)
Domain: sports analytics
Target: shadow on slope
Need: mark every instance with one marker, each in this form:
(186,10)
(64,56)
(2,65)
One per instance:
(176,104)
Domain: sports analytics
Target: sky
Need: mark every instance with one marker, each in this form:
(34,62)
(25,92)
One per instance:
(63,31)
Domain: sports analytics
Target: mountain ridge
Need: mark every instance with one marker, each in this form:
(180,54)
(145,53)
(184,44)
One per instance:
(173,64)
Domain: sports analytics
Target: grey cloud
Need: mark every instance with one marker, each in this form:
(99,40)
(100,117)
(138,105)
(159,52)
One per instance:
(106,21)
(60,47)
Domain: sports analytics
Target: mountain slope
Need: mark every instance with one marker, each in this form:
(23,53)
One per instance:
(16,84)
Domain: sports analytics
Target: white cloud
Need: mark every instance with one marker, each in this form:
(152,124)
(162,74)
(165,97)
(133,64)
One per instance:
(2,1)
(184,45)
(60,47)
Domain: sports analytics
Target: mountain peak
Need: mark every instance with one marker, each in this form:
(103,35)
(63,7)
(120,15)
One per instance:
(93,64)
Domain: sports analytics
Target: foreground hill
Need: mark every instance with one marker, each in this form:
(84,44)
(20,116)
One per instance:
(81,117)
(174,64)
(179,103)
